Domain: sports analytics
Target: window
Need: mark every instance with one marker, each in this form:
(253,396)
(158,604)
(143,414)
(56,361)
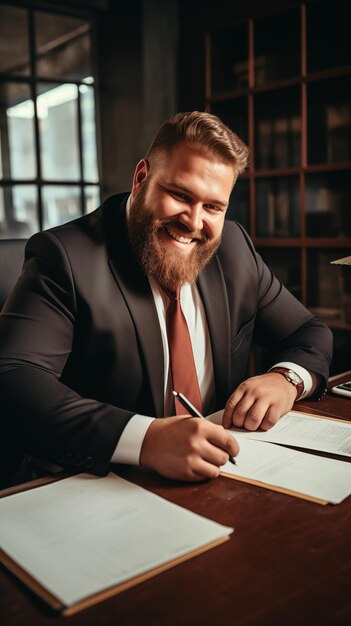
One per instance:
(48,148)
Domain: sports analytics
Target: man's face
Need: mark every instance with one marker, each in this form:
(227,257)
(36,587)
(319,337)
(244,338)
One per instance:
(177,213)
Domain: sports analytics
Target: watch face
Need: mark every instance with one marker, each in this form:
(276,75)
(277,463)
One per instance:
(295,379)
(292,378)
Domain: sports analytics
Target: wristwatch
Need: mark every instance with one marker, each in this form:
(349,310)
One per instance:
(292,378)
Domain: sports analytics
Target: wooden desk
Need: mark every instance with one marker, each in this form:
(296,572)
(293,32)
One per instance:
(332,405)
(288,562)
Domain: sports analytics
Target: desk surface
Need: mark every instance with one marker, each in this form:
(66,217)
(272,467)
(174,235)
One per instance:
(287,563)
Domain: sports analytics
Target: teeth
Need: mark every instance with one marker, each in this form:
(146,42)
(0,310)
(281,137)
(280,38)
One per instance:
(178,237)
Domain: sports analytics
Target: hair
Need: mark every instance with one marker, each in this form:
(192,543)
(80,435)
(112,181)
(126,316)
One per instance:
(206,133)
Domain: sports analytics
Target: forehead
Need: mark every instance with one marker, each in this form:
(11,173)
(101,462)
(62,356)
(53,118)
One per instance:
(185,161)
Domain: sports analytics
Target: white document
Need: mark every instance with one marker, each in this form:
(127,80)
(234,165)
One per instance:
(302,431)
(313,476)
(84,534)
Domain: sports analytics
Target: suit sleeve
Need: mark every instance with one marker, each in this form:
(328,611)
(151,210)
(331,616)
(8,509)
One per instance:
(282,325)
(37,328)
(289,331)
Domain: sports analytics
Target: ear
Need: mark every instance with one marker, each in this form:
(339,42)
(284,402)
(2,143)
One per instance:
(140,175)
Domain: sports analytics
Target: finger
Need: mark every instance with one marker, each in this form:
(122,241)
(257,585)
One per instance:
(241,411)
(235,398)
(215,456)
(224,441)
(255,415)
(203,469)
(271,417)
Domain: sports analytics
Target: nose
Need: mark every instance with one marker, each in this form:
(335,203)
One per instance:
(192,217)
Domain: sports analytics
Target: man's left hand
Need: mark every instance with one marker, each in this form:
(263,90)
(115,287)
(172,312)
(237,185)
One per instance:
(259,402)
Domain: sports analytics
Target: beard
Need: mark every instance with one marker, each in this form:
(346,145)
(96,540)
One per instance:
(168,266)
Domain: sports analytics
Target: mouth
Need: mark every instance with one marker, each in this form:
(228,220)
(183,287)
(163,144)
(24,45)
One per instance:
(179,238)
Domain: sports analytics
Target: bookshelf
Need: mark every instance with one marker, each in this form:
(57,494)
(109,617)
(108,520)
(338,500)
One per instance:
(282,81)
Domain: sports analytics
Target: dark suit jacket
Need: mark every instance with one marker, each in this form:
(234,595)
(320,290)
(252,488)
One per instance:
(80,344)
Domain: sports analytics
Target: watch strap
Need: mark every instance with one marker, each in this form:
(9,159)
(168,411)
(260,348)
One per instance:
(292,377)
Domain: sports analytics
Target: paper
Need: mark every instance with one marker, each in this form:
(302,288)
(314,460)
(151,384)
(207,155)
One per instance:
(302,431)
(313,476)
(83,534)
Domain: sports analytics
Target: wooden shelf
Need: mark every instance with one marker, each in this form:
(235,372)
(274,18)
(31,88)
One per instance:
(339,325)
(284,87)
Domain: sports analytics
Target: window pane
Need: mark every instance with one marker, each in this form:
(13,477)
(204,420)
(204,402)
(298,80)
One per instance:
(14,47)
(18,211)
(277,129)
(62,47)
(91,198)
(16,132)
(329,286)
(90,169)
(60,204)
(277,47)
(58,126)
(328,212)
(277,207)
(286,265)
(239,204)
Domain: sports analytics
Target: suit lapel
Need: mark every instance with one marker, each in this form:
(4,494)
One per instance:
(137,293)
(213,291)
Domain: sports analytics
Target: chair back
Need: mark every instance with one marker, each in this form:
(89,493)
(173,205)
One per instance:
(11,261)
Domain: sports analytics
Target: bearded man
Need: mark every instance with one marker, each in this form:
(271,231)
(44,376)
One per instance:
(85,353)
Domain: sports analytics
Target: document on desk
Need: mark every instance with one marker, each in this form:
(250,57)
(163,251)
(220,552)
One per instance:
(293,471)
(84,536)
(301,430)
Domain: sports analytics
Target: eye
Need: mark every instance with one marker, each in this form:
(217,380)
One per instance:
(213,208)
(182,197)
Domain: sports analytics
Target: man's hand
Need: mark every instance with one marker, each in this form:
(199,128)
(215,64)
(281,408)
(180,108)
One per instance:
(259,402)
(187,448)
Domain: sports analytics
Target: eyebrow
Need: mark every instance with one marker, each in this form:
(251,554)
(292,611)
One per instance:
(188,190)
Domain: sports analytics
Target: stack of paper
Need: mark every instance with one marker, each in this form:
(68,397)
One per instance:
(299,473)
(82,539)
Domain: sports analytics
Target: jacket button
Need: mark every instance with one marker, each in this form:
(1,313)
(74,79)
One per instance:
(88,462)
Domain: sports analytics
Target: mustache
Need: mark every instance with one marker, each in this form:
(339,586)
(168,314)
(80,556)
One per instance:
(179,226)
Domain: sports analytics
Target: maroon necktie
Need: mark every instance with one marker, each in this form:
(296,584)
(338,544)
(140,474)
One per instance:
(184,376)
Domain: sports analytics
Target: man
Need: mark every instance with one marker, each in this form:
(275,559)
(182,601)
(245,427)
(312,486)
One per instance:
(85,360)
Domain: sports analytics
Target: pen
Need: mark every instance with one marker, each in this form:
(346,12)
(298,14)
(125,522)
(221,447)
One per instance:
(194,412)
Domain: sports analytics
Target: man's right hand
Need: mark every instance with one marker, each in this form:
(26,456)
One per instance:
(187,448)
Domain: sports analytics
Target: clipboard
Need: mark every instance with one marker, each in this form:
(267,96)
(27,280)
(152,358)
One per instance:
(56,604)
(58,607)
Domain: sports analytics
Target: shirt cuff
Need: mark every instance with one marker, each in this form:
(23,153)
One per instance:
(130,442)
(302,372)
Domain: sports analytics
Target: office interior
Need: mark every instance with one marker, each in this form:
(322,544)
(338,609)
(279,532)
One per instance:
(85,85)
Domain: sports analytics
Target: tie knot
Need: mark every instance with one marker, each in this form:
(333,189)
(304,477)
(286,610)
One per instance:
(173,294)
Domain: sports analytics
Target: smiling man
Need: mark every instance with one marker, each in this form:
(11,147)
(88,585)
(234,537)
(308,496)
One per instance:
(179,201)
(86,358)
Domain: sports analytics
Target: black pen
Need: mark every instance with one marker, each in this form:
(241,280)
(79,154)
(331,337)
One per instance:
(194,412)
